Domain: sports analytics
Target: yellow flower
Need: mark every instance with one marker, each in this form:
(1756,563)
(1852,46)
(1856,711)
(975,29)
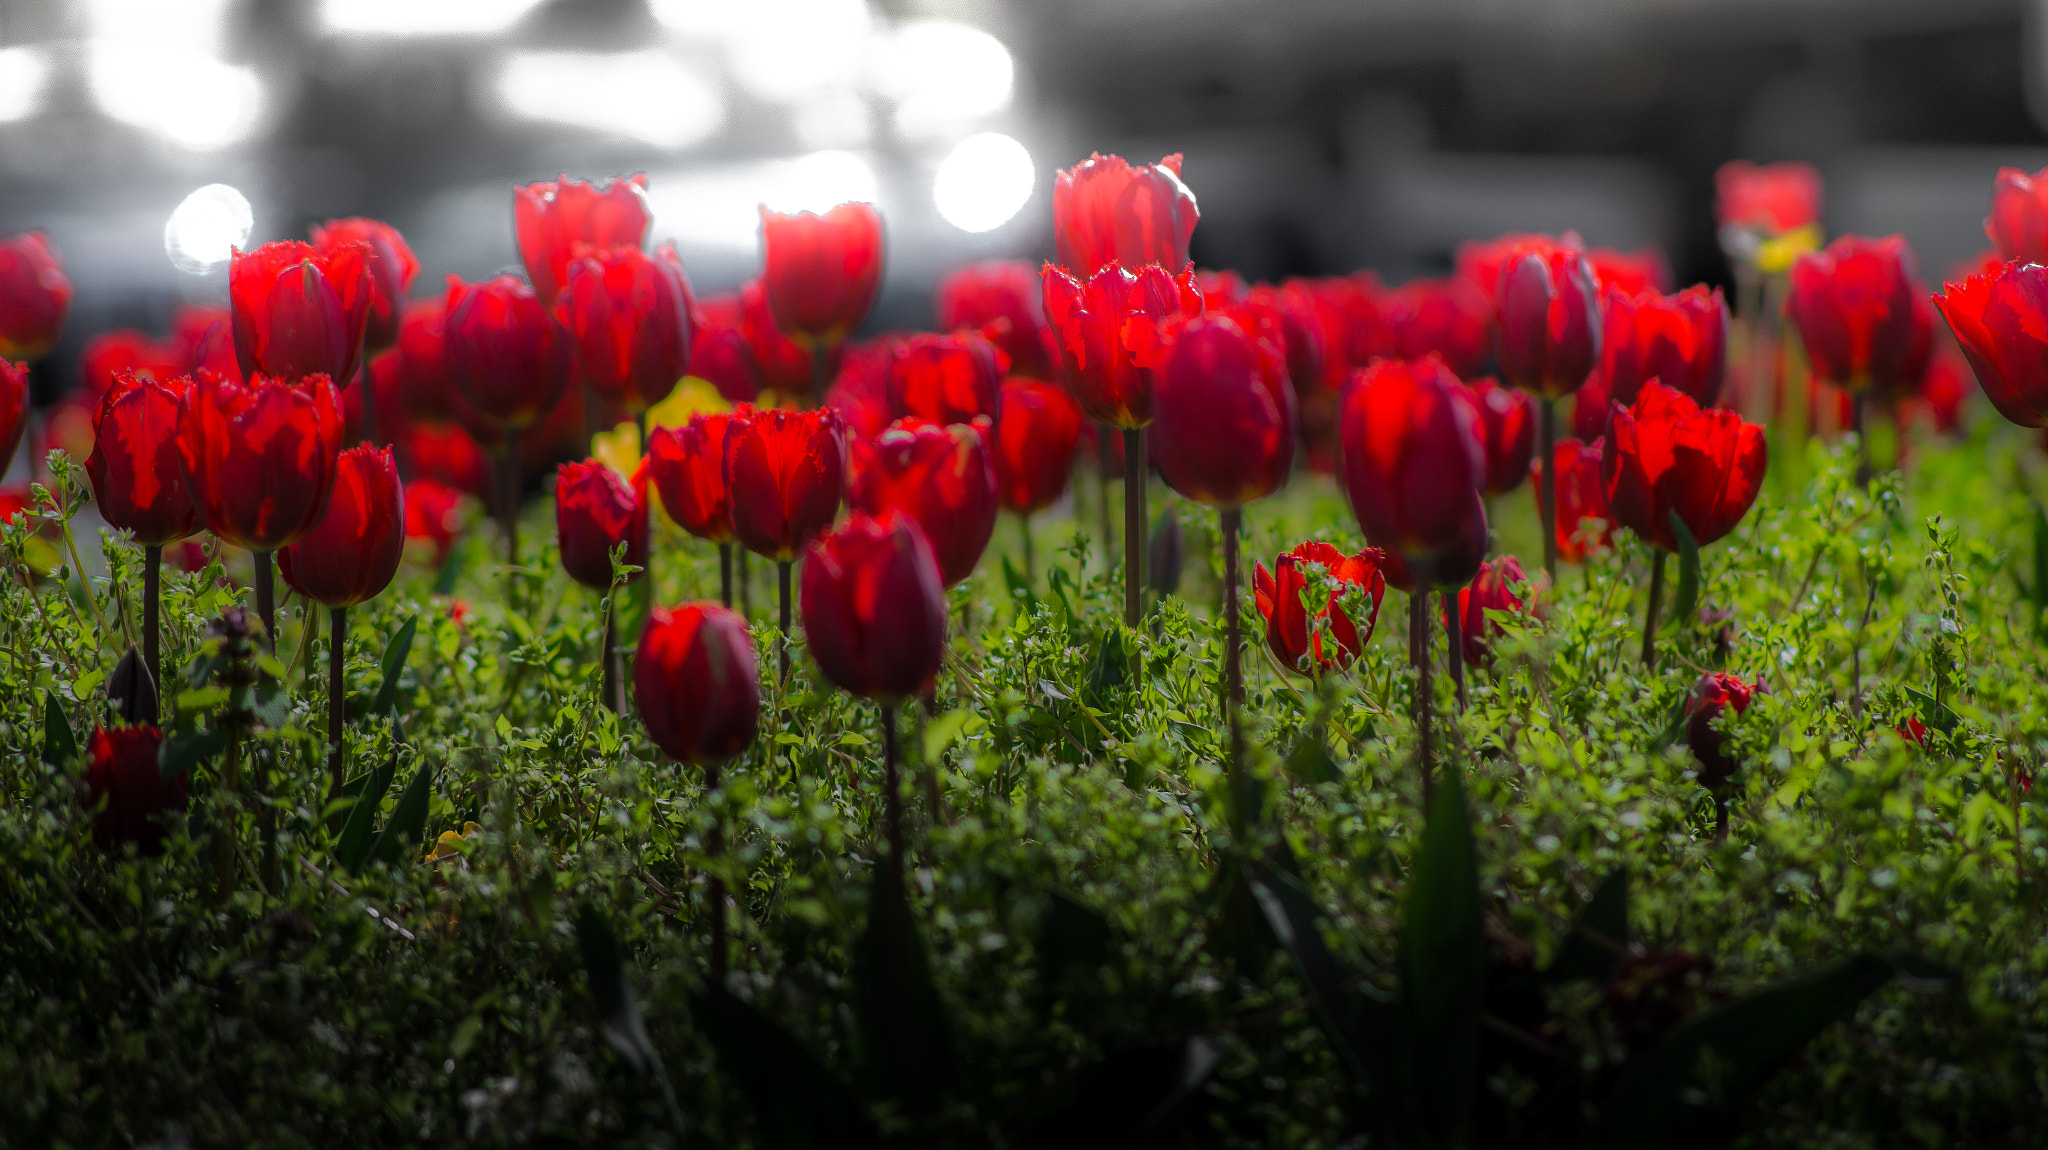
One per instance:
(449,845)
(618,449)
(1776,254)
(692,396)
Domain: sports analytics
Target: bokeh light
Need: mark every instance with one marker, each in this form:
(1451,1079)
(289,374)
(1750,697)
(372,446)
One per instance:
(206,228)
(983,182)
(648,96)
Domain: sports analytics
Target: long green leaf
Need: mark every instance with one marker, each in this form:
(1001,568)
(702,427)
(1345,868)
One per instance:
(60,746)
(408,819)
(352,850)
(1443,963)
(1599,934)
(906,1043)
(1688,601)
(394,662)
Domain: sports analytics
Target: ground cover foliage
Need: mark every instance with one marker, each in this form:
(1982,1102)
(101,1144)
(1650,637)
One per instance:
(1089,955)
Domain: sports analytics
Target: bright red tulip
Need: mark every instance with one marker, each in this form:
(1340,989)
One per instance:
(946,378)
(299,311)
(13,408)
(1225,420)
(259,457)
(1449,317)
(1002,299)
(1630,273)
(596,509)
(1771,199)
(1108,331)
(1412,467)
(860,390)
(1548,323)
(1506,422)
(782,365)
(874,611)
(206,340)
(1665,456)
(446,454)
(137,482)
(687,467)
(785,474)
(1492,589)
(628,314)
(433,518)
(2018,223)
(1480,262)
(2001,321)
(1586,526)
(1713,696)
(1351,312)
(939,476)
(1106,211)
(510,360)
(1679,340)
(1861,316)
(122,774)
(392,267)
(552,218)
(34,295)
(1301,331)
(416,370)
(350,557)
(696,684)
(109,354)
(1034,444)
(1278,594)
(822,272)
(719,353)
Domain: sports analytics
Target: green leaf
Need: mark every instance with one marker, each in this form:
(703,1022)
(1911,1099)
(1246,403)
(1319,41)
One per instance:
(1686,606)
(273,703)
(1310,761)
(906,1042)
(1129,1098)
(408,823)
(1443,962)
(60,746)
(1019,587)
(1598,936)
(352,850)
(941,732)
(182,750)
(799,1103)
(444,583)
(394,662)
(1936,715)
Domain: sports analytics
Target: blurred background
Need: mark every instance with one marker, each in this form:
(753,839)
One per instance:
(148,136)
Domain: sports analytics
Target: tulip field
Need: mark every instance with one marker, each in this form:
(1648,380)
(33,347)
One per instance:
(1534,707)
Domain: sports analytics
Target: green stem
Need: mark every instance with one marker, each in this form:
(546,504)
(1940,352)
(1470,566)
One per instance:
(1650,613)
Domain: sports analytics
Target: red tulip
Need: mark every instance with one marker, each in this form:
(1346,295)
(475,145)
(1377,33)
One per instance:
(1480,262)
(1105,211)
(109,354)
(946,378)
(1548,324)
(259,457)
(596,509)
(1278,594)
(1713,696)
(508,358)
(822,272)
(387,384)
(433,518)
(874,612)
(628,314)
(1587,524)
(123,775)
(1493,589)
(696,684)
(719,353)
(350,557)
(687,467)
(2001,321)
(860,390)
(1003,300)
(1301,331)
(1664,455)
(939,476)
(136,479)
(785,473)
(1034,444)
(1506,422)
(1942,390)
(298,311)
(2018,223)
(446,454)
(782,365)
(552,218)
(1108,334)
(392,267)
(416,370)
(1768,198)
(1679,340)
(1630,273)
(1352,311)
(1412,467)
(1225,414)
(1861,316)
(1449,317)
(1221,288)
(205,337)
(13,408)
(34,295)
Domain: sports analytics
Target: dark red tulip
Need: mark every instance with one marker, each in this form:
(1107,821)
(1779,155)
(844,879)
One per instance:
(1301,331)
(510,360)
(1586,525)
(822,273)
(596,509)
(1492,589)
(1221,288)
(628,314)
(1942,391)
(1034,444)
(719,353)
(1108,331)
(350,557)
(259,457)
(1770,199)
(785,473)
(392,267)
(2018,223)
(206,340)
(122,774)
(687,467)
(939,476)
(1861,316)
(13,408)
(782,365)
(109,354)
(433,518)
(445,454)
(137,482)
(946,378)
(552,218)
(1713,696)
(299,311)
(1506,422)
(1679,340)
(1412,467)
(1630,273)
(860,390)
(34,295)
(1225,421)
(1104,211)
(2001,321)
(1664,455)
(696,684)
(1003,300)
(1278,594)
(1448,316)
(1480,262)
(1547,327)
(874,612)
(387,384)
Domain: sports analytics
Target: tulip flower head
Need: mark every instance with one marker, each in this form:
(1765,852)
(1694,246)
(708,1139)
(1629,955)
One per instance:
(1291,629)
(939,476)
(506,355)
(445,454)
(687,467)
(391,267)
(1506,422)
(552,218)
(696,684)
(1585,525)
(873,607)
(300,311)
(1862,318)
(34,295)
(1630,273)
(946,378)
(1301,334)
(785,475)
(1002,300)
(860,390)
(1715,695)
(1771,199)
(1108,331)
(1679,340)
(1033,444)
(2001,321)
(1449,317)
(597,509)
(822,271)
(1547,319)
(1665,456)
(719,352)
(1225,428)
(628,315)
(2018,223)
(125,789)
(13,408)
(1105,210)
(137,482)
(1412,466)
(781,364)
(351,555)
(259,457)
(110,353)
(433,519)
(1493,589)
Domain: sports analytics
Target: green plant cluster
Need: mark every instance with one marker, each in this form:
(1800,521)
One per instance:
(1555,949)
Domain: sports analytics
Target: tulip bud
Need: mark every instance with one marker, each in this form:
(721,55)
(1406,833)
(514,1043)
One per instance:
(1108,332)
(1679,340)
(259,458)
(350,557)
(1664,455)
(1412,467)
(945,378)
(136,479)
(1585,525)
(552,218)
(874,613)
(1506,422)
(1548,323)
(391,268)
(1449,317)
(507,356)
(628,314)
(695,682)
(1033,444)
(1106,211)
(205,337)
(1711,697)
(1002,300)
(939,476)
(1225,415)
(126,791)
(719,352)
(1862,318)
(1279,596)
(822,273)
(785,475)
(433,518)
(687,467)
(1165,554)
(596,510)
(1493,589)
(34,295)
(2001,321)
(298,311)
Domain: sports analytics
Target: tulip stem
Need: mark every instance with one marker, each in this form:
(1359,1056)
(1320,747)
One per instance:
(1864,468)
(1134,525)
(746,591)
(1548,503)
(782,641)
(152,583)
(1650,615)
(337,698)
(1418,639)
(1102,434)
(892,798)
(266,599)
(610,691)
(1233,673)
(714,848)
(1452,628)
(508,480)
(1030,576)
(725,574)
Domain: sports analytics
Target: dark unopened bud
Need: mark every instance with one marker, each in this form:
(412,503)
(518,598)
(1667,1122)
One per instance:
(131,691)
(1165,554)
